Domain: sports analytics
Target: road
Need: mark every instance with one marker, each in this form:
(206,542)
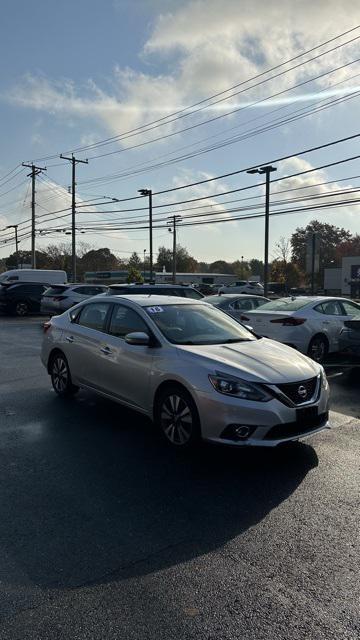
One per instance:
(105,533)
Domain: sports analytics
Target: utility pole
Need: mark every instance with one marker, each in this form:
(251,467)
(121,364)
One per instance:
(15,227)
(173,220)
(34,172)
(148,192)
(144,265)
(267,170)
(73,161)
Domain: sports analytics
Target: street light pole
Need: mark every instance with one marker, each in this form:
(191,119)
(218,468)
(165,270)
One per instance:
(148,192)
(144,265)
(267,170)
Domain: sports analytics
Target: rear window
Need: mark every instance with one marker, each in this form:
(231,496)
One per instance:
(55,291)
(285,305)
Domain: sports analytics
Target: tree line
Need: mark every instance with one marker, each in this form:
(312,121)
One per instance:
(288,263)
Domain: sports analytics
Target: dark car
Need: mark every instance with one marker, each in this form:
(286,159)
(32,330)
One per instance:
(21,298)
(154,289)
(349,338)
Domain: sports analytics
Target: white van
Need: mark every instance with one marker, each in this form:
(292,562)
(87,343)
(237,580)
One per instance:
(45,276)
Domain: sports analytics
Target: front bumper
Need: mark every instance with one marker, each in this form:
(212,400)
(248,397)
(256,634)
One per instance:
(270,423)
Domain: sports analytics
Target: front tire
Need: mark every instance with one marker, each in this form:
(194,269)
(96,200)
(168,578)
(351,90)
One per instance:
(61,377)
(177,417)
(318,348)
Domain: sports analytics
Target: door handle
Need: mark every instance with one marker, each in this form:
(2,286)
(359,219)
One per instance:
(326,322)
(70,339)
(105,350)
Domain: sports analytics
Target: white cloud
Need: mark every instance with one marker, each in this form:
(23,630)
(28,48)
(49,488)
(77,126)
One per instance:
(212,45)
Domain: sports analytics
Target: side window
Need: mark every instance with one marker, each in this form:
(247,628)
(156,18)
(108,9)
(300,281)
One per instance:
(125,320)
(319,308)
(94,315)
(351,309)
(192,293)
(84,291)
(331,308)
(244,305)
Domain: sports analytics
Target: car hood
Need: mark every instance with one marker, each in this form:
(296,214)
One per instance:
(261,360)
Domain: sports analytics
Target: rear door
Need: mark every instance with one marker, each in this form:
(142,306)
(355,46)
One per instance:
(83,340)
(332,316)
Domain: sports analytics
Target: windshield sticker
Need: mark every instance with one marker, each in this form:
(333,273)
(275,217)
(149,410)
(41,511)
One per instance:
(155,309)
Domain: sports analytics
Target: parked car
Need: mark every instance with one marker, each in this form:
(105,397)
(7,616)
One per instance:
(49,276)
(155,289)
(310,324)
(243,286)
(278,288)
(188,366)
(349,339)
(58,298)
(206,289)
(236,304)
(21,299)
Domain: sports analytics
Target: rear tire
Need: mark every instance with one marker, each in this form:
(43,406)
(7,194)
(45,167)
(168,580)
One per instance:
(177,417)
(61,376)
(318,348)
(21,308)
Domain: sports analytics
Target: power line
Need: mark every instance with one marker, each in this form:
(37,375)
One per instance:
(186,110)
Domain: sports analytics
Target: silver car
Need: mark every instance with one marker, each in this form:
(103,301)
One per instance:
(193,370)
(243,286)
(60,297)
(236,304)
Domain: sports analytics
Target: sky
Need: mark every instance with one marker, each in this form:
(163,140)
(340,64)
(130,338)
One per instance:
(116,81)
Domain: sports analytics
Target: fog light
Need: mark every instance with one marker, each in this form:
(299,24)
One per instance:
(242,431)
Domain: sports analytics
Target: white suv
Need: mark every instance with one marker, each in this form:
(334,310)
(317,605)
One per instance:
(61,297)
(243,286)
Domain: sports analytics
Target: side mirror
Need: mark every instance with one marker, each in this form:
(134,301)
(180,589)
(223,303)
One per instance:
(138,337)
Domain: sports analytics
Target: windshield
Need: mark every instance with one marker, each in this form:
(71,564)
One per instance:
(287,304)
(197,324)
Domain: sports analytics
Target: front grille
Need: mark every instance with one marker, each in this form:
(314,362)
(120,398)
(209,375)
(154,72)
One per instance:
(299,392)
(289,429)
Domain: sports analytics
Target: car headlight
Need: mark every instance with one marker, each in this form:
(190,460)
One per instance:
(324,380)
(231,386)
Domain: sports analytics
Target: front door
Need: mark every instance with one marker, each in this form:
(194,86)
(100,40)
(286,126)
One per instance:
(126,368)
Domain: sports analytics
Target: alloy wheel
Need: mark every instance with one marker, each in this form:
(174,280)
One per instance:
(317,350)
(176,420)
(60,375)
(21,309)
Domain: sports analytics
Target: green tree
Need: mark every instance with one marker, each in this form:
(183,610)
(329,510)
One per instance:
(134,275)
(256,267)
(220,266)
(330,237)
(184,261)
(98,260)
(134,261)
(286,272)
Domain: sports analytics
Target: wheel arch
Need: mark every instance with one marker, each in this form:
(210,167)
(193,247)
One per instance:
(168,384)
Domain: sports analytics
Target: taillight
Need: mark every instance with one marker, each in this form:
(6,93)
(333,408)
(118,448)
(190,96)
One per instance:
(289,322)
(58,298)
(46,326)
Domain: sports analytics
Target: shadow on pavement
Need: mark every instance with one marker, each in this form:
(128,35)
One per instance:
(88,491)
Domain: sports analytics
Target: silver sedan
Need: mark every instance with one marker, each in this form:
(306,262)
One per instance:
(193,370)
(236,304)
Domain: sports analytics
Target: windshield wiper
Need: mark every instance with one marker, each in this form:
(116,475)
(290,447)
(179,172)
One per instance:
(233,340)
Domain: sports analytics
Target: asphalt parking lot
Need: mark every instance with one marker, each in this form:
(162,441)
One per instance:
(105,533)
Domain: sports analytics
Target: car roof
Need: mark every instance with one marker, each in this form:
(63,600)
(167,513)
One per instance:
(151,300)
(238,296)
(147,285)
